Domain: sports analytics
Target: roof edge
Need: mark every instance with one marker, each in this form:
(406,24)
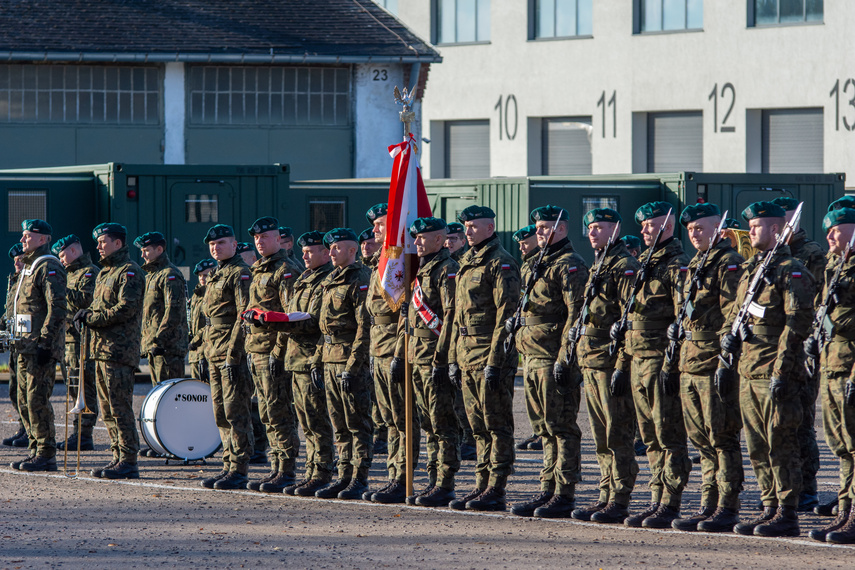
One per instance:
(233,58)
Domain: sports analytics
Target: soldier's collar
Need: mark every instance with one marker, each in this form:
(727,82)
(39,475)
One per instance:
(423,261)
(121,255)
(557,246)
(479,247)
(156,264)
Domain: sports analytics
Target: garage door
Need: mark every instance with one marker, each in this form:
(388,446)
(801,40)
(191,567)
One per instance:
(467,149)
(566,146)
(792,140)
(675,142)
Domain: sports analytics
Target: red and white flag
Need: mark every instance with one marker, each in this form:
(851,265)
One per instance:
(407,201)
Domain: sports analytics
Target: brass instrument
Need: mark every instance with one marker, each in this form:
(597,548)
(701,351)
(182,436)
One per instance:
(80,406)
(7,337)
(740,240)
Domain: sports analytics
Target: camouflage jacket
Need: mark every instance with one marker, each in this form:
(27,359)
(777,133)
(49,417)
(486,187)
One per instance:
(164,308)
(785,308)
(116,308)
(459,253)
(656,304)
(486,295)
(273,279)
(436,278)
(812,256)
(712,302)
(41,306)
(384,321)
(838,354)
(344,321)
(11,285)
(612,290)
(80,287)
(197,324)
(226,297)
(554,302)
(295,260)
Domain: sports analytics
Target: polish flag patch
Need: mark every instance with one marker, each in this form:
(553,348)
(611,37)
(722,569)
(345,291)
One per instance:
(363,287)
(286,276)
(732,267)
(629,272)
(87,275)
(171,278)
(573,269)
(506,266)
(244,277)
(797,274)
(683,269)
(452,275)
(130,273)
(50,273)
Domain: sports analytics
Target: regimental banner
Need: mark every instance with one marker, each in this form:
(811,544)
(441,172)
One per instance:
(407,201)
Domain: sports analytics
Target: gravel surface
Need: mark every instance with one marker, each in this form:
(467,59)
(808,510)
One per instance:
(165,519)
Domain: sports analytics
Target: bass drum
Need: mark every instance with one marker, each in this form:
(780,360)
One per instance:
(177,420)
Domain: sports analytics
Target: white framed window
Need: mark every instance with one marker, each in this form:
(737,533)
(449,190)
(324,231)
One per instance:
(461,21)
(560,18)
(668,15)
(777,12)
(390,5)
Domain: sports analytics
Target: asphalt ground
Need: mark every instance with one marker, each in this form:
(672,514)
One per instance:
(165,519)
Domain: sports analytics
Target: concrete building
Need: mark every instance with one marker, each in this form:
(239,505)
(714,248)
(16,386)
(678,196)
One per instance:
(531,87)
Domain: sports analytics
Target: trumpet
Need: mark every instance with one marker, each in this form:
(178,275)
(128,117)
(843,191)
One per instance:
(80,406)
(7,337)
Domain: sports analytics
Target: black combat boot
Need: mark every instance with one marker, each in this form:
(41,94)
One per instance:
(722,520)
(21,441)
(492,499)
(524,443)
(255,484)
(99,471)
(437,497)
(289,490)
(125,470)
(39,463)
(356,487)
(558,507)
(635,520)
(310,488)
(527,509)
(585,513)
(277,484)
(614,513)
(21,432)
(206,483)
(17,464)
(460,504)
(808,502)
(86,443)
(821,534)
(366,496)
(232,481)
(828,509)
(691,523)
(784,523)
(664,517)
(747,528)
(394,493)
(331,490)
(845,534)
(413,499)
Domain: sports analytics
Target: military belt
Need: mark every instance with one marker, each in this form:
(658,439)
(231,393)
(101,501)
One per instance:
(767,331)
(545,320)
(701,335)
(647,325)
(222,320)
(424,333)
(259,330)
(387,320)
(595,332)
(837,337)
(475,331)
(336,339)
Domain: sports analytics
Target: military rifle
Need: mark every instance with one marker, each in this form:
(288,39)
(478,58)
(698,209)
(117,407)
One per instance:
(694,285)
(754,285)
(514,322)
(818,333)
(640,278)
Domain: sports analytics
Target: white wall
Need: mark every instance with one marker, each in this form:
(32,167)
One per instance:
(174,113)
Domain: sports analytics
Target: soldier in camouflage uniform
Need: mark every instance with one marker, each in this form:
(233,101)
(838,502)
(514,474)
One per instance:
(455,240)
(39,312)
(273,278)
(226,296)
(341,360)
(812,256)
(770,382)
(80,286)
(486,295)
(286,242)
(164,332)
(660,417)
(633,245)
(196,355)
(16,254)
(711,416)
(551,381)
(430,315)
(368,245)
(115,318)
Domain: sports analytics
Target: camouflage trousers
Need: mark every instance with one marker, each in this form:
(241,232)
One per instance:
(491,416)
(165,367)
(770,435)
(808,450)
(90,391)
(350,414)
(35,386)
(838,421)
(115,384)
(713,427)
(196,370)
(276,410)
(553,418)
(436,408)
(311,407)
(613,426)
(13,380)
(231,402)
(381,427)
(466,437)
(660,421)
(389,400)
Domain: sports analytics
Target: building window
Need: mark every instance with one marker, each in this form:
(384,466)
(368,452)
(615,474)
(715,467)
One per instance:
(201,208)
(226,95)
(467,149)
(462,21)
(25,205)
(566,146)
(390,5)
(326,214)
(592,202)
(79,94)
(561,18)
(775,12)
(669,15)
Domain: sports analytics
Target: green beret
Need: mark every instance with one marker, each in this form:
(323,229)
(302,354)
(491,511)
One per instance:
(340,234)
(652,210)
(425,225)
(218,232)
(366,235)
(475,213)
(845,202)
(787,203)
(456,228)
(524,233)
(243,247)
(698,211)
(763,210)
(150,238)
(837,217)
(311,238)
(732,223)
(264,224)
(16,250)
(37,227)
(109,228)
(63,243)
(203,265)
(285,232)
(601,215)
(376,211)
(632,242)
(548,214)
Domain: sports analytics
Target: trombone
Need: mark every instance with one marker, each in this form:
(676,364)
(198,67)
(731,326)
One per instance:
(80,406)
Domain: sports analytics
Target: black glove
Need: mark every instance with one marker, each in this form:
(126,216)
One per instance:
(231,372)
(396,370)
(371,366)
(669,382)
(572,334)
(455,375)
(511,325)
(619,385)
(348,382)
(157,351)
(317,376)
(674,332)
(724,382)
(204,371)
(849,394)
(811,348)
(730,343)
(492,376)
(275,366)
(79,319)
(42,356)
(250,316)
(616,332)
(439,375)
(777,388)
(194,344)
